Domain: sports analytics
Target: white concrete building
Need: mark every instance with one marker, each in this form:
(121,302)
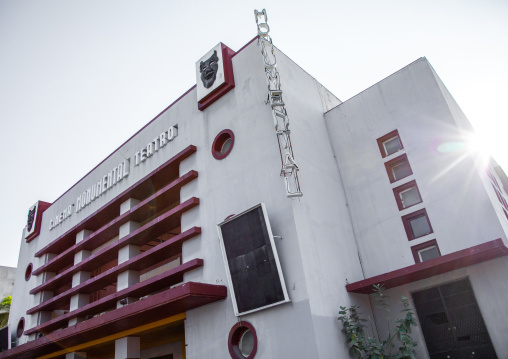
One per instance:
(154,253)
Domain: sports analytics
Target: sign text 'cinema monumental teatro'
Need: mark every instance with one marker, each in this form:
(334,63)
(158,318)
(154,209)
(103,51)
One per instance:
(111,178)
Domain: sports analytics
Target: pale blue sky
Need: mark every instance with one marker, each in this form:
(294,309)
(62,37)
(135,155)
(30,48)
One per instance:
(77,78)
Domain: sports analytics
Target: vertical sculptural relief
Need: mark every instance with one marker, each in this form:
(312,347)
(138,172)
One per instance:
(208,70)
(31,219)
(280,117)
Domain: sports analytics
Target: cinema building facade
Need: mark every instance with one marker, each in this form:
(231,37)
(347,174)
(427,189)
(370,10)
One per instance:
(218,231)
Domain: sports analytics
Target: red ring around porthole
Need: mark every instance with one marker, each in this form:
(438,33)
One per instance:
(223,144)
(236,334)
(28,272)
(21,327)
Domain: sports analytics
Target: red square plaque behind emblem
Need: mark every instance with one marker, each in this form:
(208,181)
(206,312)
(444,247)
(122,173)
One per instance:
(228,84)
(42,206)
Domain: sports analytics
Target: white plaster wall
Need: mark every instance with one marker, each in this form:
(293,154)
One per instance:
(459,209)
(249,175)
(21,300)
(467,130)
(317,251)
(325,234)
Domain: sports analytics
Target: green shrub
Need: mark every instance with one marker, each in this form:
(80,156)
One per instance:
(362,346)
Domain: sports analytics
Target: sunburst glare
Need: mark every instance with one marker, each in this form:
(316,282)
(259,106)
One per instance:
(473,145)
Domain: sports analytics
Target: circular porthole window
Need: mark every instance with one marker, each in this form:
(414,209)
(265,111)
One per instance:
(28,272)
(242,342)
(21,327)
(223,144)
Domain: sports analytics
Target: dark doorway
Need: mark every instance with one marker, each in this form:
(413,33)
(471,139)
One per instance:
(451,322)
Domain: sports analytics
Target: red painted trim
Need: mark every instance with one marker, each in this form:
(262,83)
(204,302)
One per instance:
(140,236)
(460,259)
(143,260)
(110,210)
(229,80)
(28,271)
(385,138)
(235,334)
(21,327)
(244,46)
(392,163)
(170,302)
(419,247)
(41,207)
(162,280)
(407,226)
(218,142)
(161,263)
(152,204)
(401,188)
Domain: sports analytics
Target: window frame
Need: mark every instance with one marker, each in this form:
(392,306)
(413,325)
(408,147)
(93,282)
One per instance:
(389,165)
(20,329)
(269,241)
(492,177)
(500,197)
(417,248)
(28,271)
(219,142)
(406,186)
(407,225)
(235,335)
(383,139)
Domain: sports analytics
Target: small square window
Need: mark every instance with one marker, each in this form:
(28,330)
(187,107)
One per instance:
(425,251)
(417,224)
(390,143)
(401,170)
(420,226)
(410,197)
(398,168)
(428,253)
(407,195)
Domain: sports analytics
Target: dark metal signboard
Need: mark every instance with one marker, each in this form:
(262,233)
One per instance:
(254,273)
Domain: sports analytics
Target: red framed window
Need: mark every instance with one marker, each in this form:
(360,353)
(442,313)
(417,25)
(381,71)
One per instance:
(223,144)
(500,197)
(389,143)
(21,327)
(242,341)
(398,168)
(425,251)
(417,224)
(407,195)
(28,272)
(492,178)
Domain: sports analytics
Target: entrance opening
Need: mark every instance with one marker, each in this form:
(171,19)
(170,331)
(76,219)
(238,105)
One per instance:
(451,322)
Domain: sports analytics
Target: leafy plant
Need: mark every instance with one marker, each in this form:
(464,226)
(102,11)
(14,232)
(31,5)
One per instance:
(362,346)
(5,306)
